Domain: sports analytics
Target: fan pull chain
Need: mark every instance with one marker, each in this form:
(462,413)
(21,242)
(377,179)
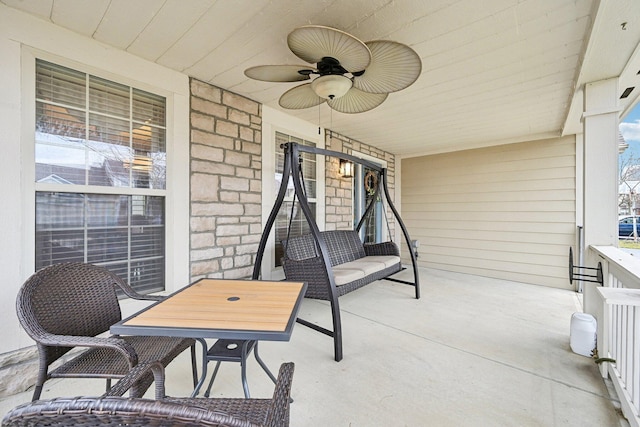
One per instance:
(330,118)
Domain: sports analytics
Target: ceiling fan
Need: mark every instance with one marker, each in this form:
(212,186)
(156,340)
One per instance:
(350,75)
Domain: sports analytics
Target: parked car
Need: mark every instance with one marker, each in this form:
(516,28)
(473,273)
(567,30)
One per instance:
(625,226)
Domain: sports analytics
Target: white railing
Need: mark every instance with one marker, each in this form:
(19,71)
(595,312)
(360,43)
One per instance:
(619,332)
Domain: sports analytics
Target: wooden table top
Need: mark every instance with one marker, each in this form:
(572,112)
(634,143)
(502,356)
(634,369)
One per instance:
(216,308)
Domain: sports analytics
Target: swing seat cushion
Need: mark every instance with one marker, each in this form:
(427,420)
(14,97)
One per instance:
(365,265)
(346,275)
(387,260)
(359,269)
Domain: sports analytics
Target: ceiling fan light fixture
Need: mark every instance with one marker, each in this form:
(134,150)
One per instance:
(331,86)
(350,76)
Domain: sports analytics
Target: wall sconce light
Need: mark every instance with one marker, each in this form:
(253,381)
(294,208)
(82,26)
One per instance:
(346,169)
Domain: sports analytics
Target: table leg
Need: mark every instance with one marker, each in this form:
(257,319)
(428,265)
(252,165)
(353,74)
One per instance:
(194,368)
(213,377)
(264,367)
(204,367)
(262,364)
(243,368)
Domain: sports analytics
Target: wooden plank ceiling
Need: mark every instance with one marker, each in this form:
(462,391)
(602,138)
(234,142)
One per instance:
(494,71)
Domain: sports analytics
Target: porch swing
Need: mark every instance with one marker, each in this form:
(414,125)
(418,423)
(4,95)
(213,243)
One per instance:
(334,263)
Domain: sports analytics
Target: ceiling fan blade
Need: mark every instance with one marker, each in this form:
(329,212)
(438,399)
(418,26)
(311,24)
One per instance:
(300,97)
(314,42)
(357,101)
(394,66)
(279,73)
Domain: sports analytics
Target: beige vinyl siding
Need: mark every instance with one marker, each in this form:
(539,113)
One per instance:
(506,212)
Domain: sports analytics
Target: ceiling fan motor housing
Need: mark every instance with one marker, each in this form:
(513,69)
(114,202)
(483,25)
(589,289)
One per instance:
(329,65)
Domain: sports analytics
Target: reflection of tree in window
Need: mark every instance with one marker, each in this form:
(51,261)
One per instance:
(98,133)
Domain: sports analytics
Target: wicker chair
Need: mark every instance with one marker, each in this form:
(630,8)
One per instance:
(67,305)
(111,410)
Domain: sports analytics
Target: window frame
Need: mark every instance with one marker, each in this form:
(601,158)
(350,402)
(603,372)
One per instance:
(174,87)
(126,261)
(311,200)
(276,121)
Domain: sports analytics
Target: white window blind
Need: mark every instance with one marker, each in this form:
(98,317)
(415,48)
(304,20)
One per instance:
(100,162)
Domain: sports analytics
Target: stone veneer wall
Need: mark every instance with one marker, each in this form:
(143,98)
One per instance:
(226,186)
(339,211)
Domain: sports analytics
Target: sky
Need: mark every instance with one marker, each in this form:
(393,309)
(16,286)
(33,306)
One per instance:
(630,129)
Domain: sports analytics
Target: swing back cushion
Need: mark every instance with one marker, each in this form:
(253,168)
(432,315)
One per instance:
(353,264)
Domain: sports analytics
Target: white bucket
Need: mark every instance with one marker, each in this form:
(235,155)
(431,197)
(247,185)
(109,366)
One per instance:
(583,334)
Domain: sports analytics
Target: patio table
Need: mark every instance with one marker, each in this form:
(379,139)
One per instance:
(221,309)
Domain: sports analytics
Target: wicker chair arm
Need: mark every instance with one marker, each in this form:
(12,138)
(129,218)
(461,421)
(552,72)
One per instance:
(136,374)
(129,291)
(384,248)
(133,294)
(114,343)
(116,411)
(149,297)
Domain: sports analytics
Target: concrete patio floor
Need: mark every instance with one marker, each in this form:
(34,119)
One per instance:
(472,351)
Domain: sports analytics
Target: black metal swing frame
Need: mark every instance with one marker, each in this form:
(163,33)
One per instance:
(292,155)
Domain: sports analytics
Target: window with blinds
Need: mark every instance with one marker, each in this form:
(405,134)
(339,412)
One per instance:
(100,164)
(290,212)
